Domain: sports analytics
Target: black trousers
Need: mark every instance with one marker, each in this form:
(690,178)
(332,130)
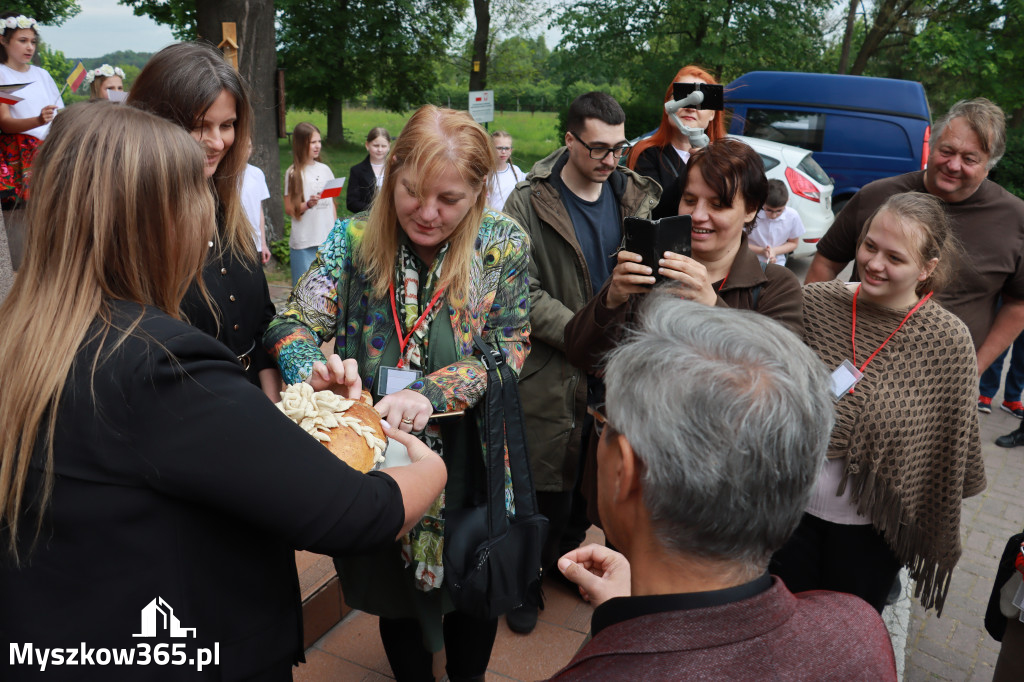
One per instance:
(467,642)
(822,555)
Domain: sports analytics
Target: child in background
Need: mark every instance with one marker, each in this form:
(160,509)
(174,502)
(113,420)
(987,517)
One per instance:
(103,79)
(312,218)
(507,175)
(366,177)
(778,227)
(254,192)
(26,123)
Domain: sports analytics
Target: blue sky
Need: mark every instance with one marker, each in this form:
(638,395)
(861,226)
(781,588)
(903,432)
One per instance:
(103,26)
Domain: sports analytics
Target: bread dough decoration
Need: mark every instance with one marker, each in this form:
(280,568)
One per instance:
(350,429)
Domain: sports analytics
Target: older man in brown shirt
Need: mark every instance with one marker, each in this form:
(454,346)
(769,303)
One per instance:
(989,221)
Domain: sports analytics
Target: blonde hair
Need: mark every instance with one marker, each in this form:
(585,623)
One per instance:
(301,135)
(433,141)
(924,220)
(180,83)
(120,211)
(96,87)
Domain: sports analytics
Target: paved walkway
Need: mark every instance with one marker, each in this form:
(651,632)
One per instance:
(956,647)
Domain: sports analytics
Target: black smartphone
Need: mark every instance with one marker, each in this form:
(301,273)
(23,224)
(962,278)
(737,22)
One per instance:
(652,238)
(714,95)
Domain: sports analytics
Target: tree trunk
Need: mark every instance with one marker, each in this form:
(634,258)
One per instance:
(335,133)
(482,10)
(851,16)
(257,64)
(888,15)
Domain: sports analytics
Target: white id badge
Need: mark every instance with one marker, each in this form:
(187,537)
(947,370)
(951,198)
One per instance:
(394,379)
(844,378)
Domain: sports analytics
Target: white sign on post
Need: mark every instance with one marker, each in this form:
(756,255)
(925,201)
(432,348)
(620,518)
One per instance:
(481,105)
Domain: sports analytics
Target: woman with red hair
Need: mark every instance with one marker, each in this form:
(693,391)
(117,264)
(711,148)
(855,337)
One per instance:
(663,155)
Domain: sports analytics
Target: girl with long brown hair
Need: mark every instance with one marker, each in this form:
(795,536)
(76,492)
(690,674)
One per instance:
(137,463)
(663,155)
(312,217)
(193,86)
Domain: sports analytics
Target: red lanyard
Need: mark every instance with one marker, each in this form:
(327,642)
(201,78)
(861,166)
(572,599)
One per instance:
(404,341)
(853,334)
(722,285)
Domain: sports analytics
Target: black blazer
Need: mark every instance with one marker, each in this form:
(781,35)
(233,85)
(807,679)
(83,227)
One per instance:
(179,481)
(666,167)
(362,185)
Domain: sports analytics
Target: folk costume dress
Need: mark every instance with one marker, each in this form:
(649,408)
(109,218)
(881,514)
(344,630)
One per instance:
(334,300)
(17,150)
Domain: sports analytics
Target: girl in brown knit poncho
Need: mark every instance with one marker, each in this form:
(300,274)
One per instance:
(905,450)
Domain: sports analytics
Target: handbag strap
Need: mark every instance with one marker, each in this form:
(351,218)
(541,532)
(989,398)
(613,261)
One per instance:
(503,420)
(515,435)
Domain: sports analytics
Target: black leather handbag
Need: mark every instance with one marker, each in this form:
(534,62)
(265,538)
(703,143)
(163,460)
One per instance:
(492,560)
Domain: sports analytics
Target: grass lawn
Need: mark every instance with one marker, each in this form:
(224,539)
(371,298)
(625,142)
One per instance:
(534,137)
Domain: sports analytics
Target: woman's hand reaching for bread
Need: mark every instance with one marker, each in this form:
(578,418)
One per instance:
(337,371)
(406,410)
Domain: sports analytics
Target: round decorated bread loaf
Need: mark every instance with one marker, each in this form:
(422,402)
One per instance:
(351,429)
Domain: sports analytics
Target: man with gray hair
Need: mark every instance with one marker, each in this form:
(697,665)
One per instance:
(965,145)
(717,425)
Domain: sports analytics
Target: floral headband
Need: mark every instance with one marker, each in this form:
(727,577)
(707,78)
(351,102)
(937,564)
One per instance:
(105,71)
(20,21)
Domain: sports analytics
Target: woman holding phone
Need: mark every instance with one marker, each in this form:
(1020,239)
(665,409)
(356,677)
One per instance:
(723,188)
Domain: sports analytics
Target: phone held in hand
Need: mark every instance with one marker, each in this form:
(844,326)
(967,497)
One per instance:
(714,95)
(652,238)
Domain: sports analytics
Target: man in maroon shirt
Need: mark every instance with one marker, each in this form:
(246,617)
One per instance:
(717,424)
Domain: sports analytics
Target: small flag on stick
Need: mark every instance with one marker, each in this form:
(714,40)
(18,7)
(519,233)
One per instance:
(10,100)
(332,188)
(77,76)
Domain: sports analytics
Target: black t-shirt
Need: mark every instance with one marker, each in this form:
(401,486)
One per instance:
(598,227)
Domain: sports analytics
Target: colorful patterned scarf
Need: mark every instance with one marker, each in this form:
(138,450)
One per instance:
(423,544)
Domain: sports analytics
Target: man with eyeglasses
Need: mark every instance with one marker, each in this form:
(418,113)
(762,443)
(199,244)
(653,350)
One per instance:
(716,425)
(572,205)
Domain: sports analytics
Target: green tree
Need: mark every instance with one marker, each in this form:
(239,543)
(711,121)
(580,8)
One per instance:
(980,54)
(179,15)
(55,63)
(645,42)
(46,12)
(332,51)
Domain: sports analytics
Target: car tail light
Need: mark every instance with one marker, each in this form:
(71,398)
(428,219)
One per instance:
(926,147)
(801,186)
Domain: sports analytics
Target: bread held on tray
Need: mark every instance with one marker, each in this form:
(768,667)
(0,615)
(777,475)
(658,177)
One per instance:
(351,429)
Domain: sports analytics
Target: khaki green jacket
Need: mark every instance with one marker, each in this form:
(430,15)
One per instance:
(553,392)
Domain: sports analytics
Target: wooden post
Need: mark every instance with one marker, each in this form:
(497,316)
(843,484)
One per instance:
(229,43)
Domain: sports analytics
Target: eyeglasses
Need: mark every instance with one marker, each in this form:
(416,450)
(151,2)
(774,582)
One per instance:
(504,149)
(600,421)
(599,153)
